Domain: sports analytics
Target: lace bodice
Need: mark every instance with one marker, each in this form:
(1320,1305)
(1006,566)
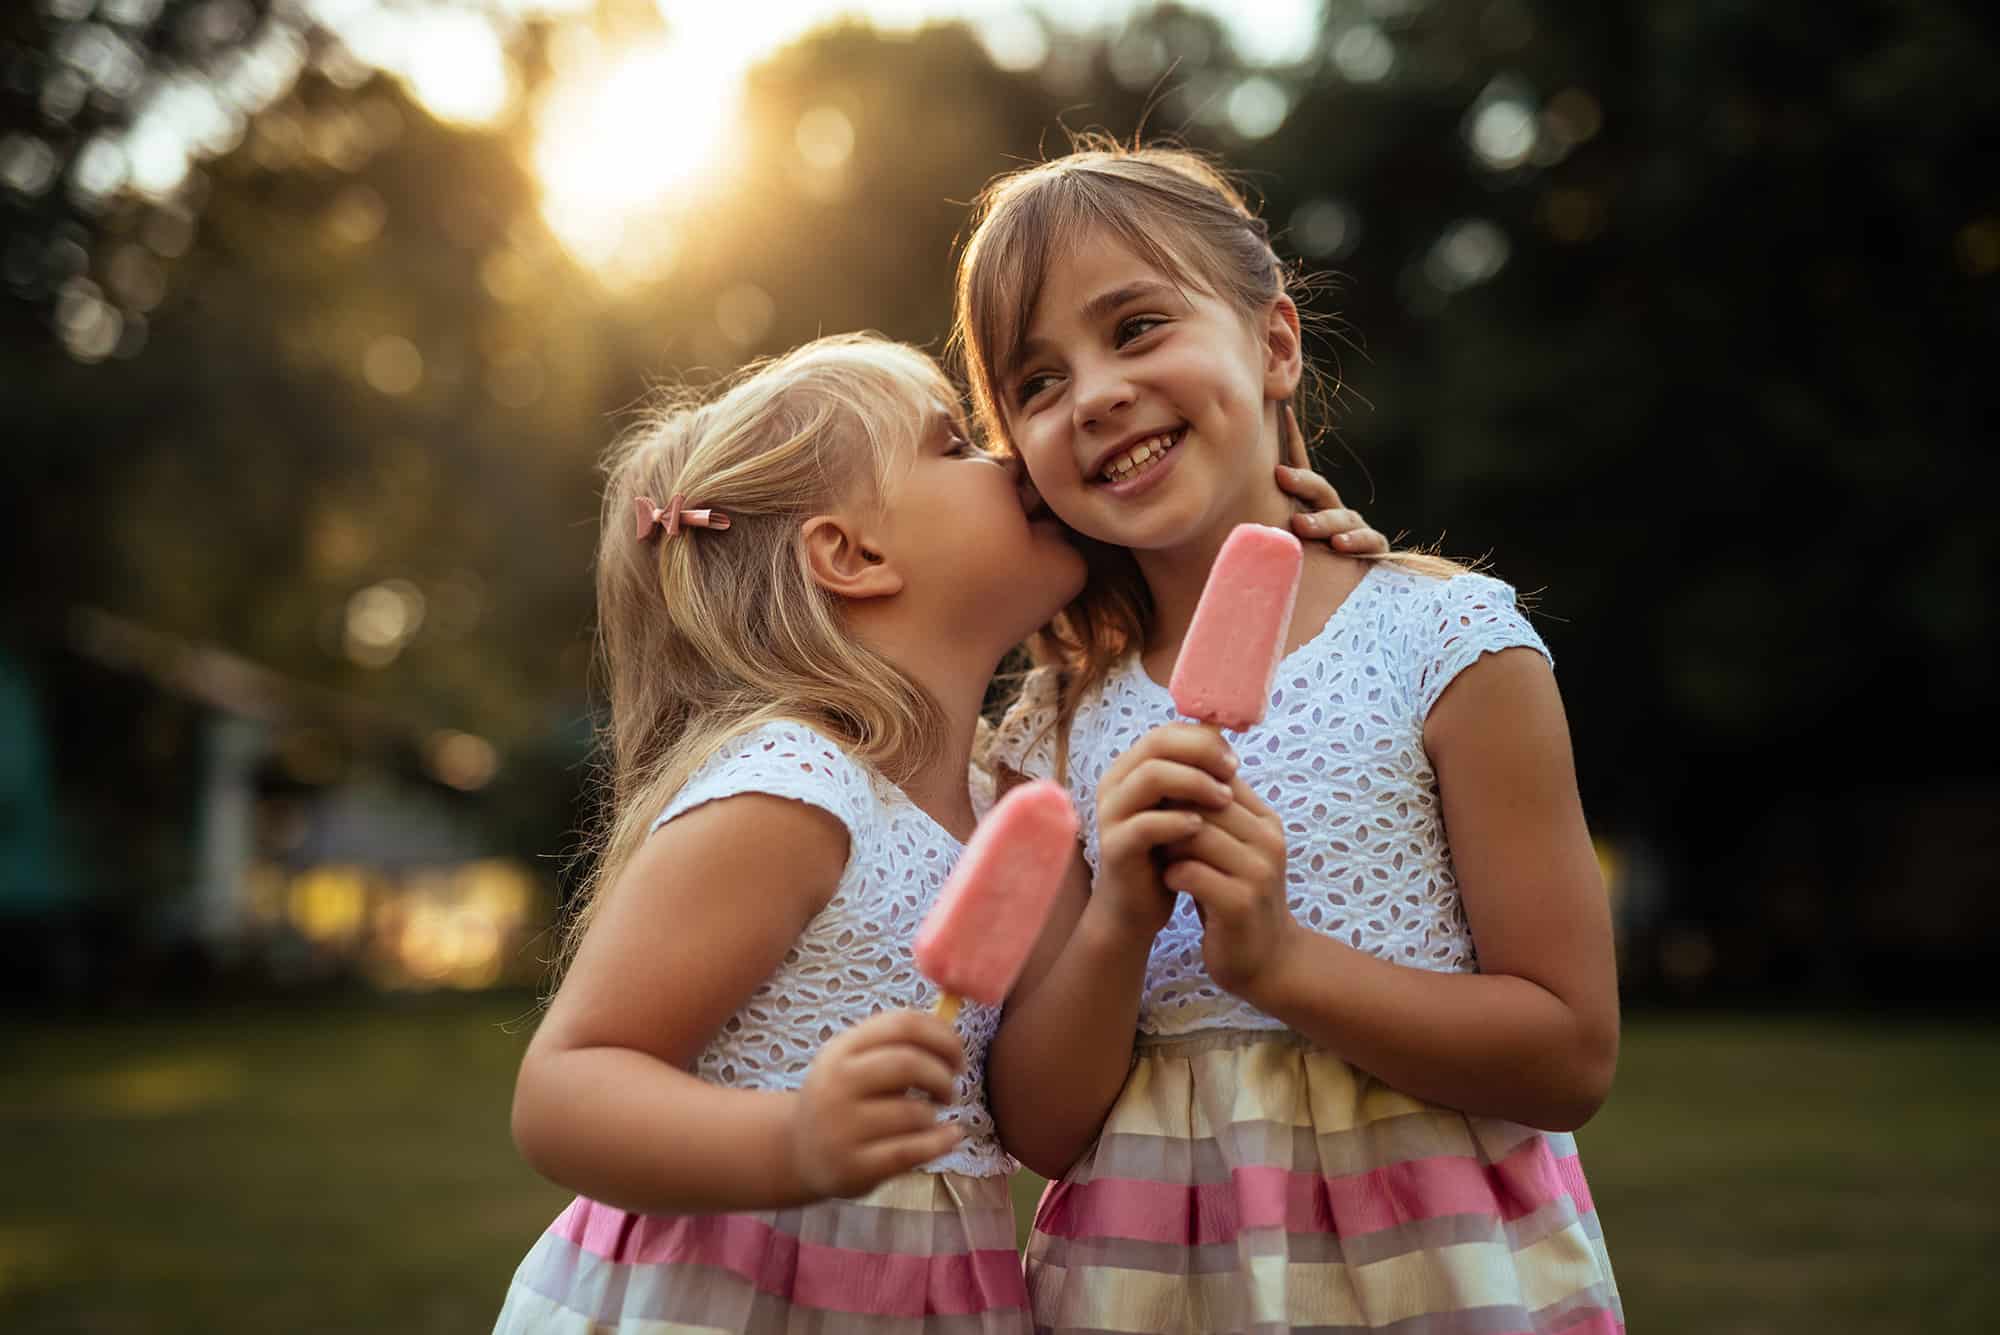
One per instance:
(1339,756)
(853,959)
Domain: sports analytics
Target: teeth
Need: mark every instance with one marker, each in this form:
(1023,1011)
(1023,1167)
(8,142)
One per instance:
(1136,458)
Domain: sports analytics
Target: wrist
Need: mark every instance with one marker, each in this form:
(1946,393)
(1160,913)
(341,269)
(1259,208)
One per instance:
(1110,935)
(781,1161)
(1287,973)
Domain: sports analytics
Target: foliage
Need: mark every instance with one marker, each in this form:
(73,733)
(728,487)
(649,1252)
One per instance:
(1680,313)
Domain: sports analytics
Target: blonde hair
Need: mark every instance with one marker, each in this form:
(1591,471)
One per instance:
(1180,213)
(709,634)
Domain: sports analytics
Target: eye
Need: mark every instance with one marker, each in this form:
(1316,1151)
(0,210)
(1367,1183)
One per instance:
(958,445)
(1136,326)
(1032,386)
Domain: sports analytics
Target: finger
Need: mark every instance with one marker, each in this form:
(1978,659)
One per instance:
(884,1159)
(1150,829)
(902,1066)
(1186,743)
(1158,781)
(1327,522)
(918,1029)
(1214,894)
(1255,835)
(1252,820)
(1309,487)
(1212,846)
(1362,542)
(1345,529)
(1251,800)
(1246,818)
(886,1119)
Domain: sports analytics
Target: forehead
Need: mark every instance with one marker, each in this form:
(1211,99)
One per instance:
(1098,264)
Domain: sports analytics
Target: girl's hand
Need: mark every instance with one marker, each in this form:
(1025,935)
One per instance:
(1181,764)
(1234,868)
(857,1124)
(1329,521)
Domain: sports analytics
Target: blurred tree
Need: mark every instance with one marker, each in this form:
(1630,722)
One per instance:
(1676,310)
(1680,312)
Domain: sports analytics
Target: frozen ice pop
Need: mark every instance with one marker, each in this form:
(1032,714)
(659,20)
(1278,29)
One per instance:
(977,936)
(1233,646)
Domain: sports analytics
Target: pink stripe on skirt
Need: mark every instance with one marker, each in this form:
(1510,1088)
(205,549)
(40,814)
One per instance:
(924,1254)
(843,1279)
(1265,1196)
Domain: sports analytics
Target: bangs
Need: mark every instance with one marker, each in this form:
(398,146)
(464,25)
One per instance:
(1036,218)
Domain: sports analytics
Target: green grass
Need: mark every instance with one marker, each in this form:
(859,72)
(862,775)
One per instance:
(348,1169)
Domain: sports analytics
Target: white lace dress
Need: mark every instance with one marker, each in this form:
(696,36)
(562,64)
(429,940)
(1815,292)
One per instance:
(1246,1180)
(929,1251)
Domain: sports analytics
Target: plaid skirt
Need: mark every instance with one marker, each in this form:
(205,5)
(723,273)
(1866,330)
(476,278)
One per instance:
(924,1252)
(1247,1182)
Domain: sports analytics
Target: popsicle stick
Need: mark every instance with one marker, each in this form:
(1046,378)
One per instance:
(947,1006)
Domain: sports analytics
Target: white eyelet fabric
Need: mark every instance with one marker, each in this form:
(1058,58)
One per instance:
(853,959)
(1339,756)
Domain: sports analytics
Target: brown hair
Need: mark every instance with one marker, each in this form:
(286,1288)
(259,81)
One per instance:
(707,635)
(1184,216)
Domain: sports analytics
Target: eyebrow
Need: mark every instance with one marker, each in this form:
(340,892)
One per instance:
(1101,305)
(1094,310)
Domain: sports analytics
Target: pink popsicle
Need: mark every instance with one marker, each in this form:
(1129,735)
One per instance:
(979,933)
(1237,638)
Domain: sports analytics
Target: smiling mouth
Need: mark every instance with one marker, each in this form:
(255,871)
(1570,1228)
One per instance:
(1129,463)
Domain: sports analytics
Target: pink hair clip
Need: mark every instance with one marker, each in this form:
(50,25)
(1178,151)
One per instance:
(671,517)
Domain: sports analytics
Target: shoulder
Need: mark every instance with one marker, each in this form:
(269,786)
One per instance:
(1445,624)
(785,760)
(770,844)
(1414,595)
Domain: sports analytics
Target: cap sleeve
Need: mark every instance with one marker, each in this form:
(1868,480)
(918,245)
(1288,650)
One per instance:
(782,759)
(1025,740)
(1465,618)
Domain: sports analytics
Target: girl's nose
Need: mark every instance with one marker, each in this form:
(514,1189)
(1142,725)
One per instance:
(1100,395)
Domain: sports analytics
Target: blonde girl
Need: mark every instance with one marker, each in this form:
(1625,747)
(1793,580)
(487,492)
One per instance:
(805,583)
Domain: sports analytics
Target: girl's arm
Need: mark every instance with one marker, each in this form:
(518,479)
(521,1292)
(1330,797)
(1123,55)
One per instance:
(605,1104)
(1533,1037)
(1065,1042)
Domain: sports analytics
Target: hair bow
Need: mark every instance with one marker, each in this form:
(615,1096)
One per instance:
(671,517)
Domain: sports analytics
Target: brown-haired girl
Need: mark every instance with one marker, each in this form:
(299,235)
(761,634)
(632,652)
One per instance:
(1307,1053)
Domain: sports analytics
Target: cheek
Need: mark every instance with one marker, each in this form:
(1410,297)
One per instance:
(1046,464)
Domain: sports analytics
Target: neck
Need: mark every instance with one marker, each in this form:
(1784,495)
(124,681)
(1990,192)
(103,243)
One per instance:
(956,675)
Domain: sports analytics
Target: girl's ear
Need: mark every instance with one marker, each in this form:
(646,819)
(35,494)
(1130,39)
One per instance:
(844,562)
(1284,350)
